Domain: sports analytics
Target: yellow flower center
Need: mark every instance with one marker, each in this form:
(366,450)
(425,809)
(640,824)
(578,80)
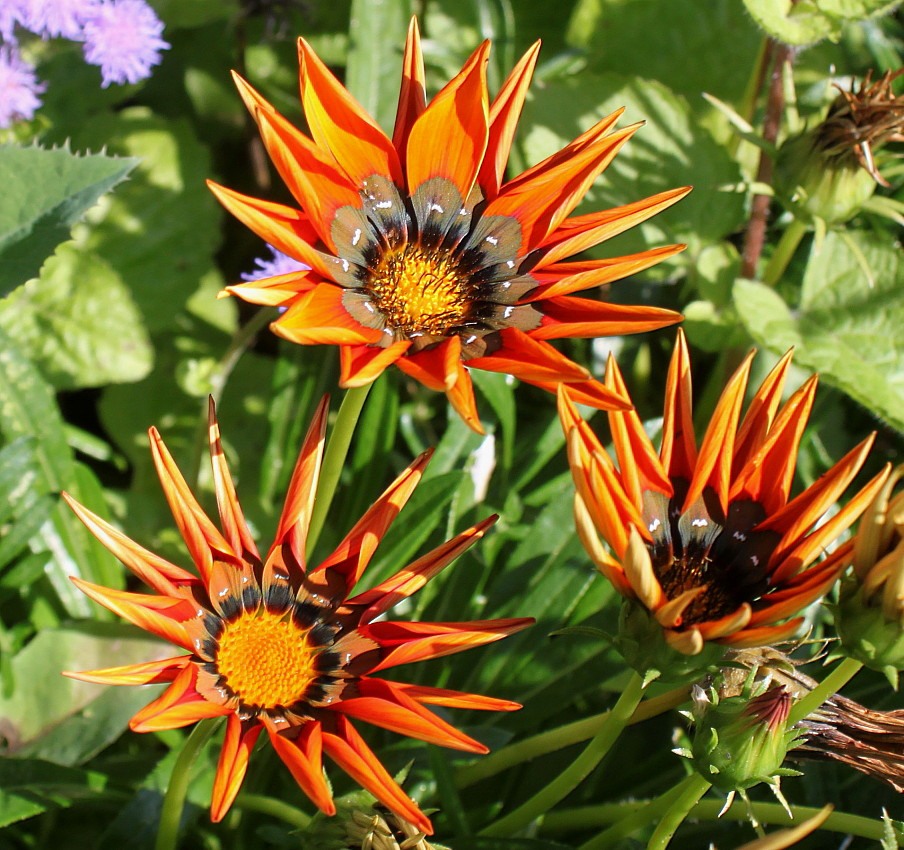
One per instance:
(419,290)
(266,659)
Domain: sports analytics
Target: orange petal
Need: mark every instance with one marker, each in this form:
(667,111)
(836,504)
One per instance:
(581,317)
(160,615)
(146,673)
(717,449)
(504,113)
(638,462)
(409,642)
(762,635)
(232,519)
(352,555)
(766,478)
(154,571)
(599,272)
(412,95)
(758,419)
(543,201)
(529,359)
(791,562)
(461,397)
(310,173)
(679,448)
(319,317)
(727,625)
(449,139)
(341,125)
(799,515)
(285,228)
(302,754)
(582,232)
(232,765)
(295,518)
(363,364)
(604,562)
(592,393)
(413,577)
(381,704)
(278,291)
(455,699)
(201,536)
(347,748)
(436,367)
(179,705)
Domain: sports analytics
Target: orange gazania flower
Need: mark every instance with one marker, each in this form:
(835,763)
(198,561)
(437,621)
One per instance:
(273,646)
(706,539)
(419,253)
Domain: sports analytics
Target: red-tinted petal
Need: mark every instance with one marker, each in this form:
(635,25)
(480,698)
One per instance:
(319,317)
(145,673)
(363,364)
(455,699)
(581,317)
(301,751)
(179,705)
(232,765)
(412,95)
(679,448)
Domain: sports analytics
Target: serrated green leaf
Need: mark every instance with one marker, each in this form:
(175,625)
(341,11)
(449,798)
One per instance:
(842,328)
(28,408)
(45,192)
(78,323)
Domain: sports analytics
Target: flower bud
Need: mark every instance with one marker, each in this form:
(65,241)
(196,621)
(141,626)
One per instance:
(869,616)
(829,172)
(741,741)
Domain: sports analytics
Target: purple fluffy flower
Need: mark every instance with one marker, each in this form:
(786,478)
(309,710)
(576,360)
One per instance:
(277,263)
(53,18)
(19,87)
(10,15)
(123,37)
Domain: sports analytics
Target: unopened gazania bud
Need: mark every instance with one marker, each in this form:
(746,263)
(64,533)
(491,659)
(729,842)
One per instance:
(829,171)
(742,741)
(380,829)
(869,617)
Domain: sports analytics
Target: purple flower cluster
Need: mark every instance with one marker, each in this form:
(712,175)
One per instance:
(123,37)
(277,263)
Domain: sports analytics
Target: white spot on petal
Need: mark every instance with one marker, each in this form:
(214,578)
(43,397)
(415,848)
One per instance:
(653,526)
(357,237)
(492,240)
(699,523)
(434,207)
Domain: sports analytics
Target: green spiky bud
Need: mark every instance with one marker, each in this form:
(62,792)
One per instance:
(742,741)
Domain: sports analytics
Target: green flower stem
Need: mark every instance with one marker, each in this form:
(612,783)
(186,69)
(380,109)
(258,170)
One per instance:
(692,789)
(828,687)
(564,736)
(784,251)
(575,773)
(636,818)
(769,814)
(277,808)
(334,458)
(174,800)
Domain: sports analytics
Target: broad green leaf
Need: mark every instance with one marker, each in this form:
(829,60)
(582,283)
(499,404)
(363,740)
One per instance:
(669,151)
(160,232)
(28,408)
(78,323)
(376,38)
(653,39)
(800,22)
(844,328)
(30,786)
(43,698)
(45,192)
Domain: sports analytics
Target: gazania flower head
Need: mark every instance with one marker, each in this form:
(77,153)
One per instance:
(421,254)
(706,540)
(276,647)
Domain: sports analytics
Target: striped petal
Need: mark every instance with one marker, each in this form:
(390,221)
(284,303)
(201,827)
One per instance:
(179,705)
(233,764)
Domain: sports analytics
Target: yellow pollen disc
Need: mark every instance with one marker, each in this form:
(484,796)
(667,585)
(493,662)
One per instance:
(419,290)
(265,659)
